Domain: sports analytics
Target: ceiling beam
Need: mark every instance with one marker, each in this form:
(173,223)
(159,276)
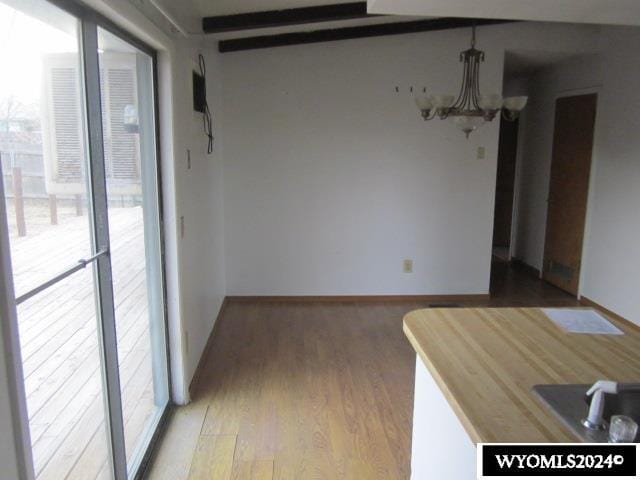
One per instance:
(282,18)
(330,35)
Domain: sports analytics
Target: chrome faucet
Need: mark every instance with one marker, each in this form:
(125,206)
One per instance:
(594,420)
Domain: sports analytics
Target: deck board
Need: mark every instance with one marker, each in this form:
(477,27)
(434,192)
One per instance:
(60,350)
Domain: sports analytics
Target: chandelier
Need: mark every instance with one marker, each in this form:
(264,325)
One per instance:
(471,109)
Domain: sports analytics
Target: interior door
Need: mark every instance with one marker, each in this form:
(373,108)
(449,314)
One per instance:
(568,190)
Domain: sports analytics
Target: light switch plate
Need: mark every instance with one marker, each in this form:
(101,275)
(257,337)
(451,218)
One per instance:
(481,153)
(407,266)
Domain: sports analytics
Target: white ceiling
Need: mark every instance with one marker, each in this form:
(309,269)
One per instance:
(208,8)
(188,15)
(526,62)
(621,12)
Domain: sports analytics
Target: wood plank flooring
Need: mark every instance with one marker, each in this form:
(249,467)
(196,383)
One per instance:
(59,344)
(306,390)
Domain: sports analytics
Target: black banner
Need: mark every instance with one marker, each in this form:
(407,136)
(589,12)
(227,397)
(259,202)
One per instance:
(559,460)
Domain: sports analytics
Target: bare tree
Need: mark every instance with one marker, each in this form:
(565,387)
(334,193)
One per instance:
(13,110)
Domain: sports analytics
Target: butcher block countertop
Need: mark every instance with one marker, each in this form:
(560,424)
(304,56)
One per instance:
(486,360)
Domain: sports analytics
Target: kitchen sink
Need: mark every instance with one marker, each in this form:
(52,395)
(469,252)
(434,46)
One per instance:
(571,405)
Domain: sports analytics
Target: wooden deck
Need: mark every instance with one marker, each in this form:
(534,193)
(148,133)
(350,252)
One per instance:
(59,340)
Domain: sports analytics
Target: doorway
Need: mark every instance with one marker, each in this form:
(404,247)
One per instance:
(505,188)
(80,181)
(569,190)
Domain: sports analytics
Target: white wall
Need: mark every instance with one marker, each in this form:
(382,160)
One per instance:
(612,250)
(613,247)
(332,178)
(199,196)
(535,145)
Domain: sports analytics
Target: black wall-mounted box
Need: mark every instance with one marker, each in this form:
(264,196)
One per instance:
(199,93)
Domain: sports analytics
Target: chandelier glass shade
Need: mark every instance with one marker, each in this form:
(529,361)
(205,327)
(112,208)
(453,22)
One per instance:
(470,109)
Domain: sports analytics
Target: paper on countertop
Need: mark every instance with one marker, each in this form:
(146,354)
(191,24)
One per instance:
(581,321)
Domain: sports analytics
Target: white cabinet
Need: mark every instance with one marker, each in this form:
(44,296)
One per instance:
(441,448)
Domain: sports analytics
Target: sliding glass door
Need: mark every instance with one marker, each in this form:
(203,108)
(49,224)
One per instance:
(79,168)
(129,139)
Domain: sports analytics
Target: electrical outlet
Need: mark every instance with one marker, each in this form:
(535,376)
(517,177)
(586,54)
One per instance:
(188,159)
(182,227)
(481,153)
(407,266)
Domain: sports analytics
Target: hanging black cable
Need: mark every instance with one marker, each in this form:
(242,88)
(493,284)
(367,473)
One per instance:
(206,115)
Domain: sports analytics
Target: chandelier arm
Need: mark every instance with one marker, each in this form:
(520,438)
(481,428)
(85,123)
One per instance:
(469,97)
(463,86)
(476,84)
(463,95)
(469,79)
(430,116)
(478,77)
(467,76)
(469,103)
(472,84)
(463,100)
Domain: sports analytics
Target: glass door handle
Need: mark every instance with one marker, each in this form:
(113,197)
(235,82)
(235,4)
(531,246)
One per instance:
(79,265)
